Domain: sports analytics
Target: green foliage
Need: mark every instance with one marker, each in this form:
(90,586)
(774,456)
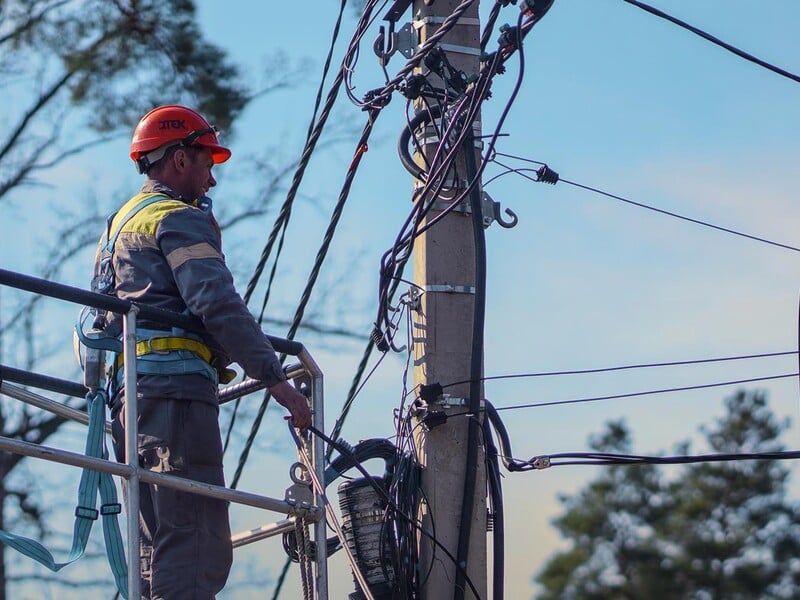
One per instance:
(715,530)
(159,44)
(78,71)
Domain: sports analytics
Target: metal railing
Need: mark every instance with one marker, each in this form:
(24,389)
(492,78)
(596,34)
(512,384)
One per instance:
(293,505)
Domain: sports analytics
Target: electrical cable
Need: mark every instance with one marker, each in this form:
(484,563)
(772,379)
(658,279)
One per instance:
(283,219)
(391,504)
(493,480)
(491,19)
(472,189)
(646,393)
(714,40)
(682,217)
(673,363)
(458,121)
(281,224)
(450,21)
(361,148)
(602,458)
(647,206)
(355,388)
(476,363)
(320,490)
(315,131)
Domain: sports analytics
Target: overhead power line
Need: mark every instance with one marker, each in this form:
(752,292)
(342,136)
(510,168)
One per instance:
(544,461)
(714,40)
(648,393)
(685,218)
(537,179)
(674,363)
(604,458)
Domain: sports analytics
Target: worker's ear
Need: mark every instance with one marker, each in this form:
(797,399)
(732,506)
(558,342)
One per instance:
(180,159)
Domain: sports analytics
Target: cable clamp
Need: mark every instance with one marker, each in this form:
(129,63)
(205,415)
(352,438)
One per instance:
(449,184)
(541,462)
(460,49)
(448,401)
(435,140)
(430,20)
(462,208)
(414,298)
(447,288)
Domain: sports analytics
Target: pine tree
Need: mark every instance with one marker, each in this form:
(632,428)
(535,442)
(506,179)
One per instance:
(737,533)
(717,530)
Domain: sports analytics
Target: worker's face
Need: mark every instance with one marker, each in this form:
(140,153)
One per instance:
(196,176)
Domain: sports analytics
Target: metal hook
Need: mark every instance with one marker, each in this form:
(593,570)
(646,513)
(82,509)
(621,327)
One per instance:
(498,217)
(491,212)
(391,47)
(384,54)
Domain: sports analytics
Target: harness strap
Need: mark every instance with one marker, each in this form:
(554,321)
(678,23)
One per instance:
(146,200)
(160,345)
(164,355)
(86,512)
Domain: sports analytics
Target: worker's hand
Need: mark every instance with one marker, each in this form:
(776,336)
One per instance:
(297,404)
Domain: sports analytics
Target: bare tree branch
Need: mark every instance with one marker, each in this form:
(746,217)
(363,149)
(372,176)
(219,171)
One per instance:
(31,22)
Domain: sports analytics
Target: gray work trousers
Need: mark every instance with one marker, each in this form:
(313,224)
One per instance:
(185,539)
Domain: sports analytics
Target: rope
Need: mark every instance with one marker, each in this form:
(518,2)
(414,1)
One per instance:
(303,553)
(320,490)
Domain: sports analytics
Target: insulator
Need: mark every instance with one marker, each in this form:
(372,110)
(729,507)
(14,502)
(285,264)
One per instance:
(346,445)
(379,340)
(546,175)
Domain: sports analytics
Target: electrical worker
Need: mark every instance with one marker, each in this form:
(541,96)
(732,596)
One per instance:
(165,251)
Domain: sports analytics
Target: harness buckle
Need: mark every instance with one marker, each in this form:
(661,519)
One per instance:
(114,508)
(148,345)
(86,512)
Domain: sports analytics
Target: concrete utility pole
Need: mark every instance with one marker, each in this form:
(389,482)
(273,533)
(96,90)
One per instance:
(444,267)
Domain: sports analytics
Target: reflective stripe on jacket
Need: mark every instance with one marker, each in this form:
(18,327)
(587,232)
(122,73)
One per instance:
(169,255)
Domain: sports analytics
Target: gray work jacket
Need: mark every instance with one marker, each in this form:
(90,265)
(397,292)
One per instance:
(169,255)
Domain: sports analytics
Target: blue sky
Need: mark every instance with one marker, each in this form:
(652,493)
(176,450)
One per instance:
(612,98)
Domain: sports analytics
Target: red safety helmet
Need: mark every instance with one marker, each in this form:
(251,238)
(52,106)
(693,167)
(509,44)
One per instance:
(171,125)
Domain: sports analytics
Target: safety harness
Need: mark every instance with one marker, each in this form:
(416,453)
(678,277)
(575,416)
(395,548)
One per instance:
(158,352)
